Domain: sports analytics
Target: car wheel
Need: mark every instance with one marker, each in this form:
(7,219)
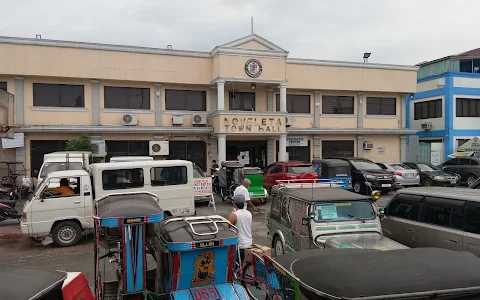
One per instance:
(66,234)
(471,179)
(357,187)
(428,182)
(278,246)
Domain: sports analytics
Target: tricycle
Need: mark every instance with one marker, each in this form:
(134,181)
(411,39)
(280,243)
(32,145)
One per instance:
(256,189)
(175,258)
(334,169)
(420,273)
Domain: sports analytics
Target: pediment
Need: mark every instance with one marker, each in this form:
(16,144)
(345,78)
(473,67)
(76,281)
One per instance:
(253,42)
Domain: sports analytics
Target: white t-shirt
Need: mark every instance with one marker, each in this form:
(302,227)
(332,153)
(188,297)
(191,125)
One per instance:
(241,190)
(244,227)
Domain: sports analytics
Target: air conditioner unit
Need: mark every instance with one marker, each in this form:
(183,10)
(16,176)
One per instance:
(177,120)
(367,145)
(427,126)
(129,120)
(98,148)
(199,120)
(158,148)
(290,121)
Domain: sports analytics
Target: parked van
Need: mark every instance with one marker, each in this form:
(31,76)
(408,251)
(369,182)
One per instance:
(130,158)
(65,217)
(438,217)
(65,160)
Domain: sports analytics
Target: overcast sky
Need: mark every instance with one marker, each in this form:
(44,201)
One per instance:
(395,31)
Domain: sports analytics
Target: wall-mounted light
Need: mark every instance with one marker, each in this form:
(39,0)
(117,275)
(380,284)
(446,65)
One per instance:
(253,86)
(366,55)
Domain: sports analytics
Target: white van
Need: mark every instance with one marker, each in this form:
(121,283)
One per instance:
(65,160)
(130,158)
(65,218)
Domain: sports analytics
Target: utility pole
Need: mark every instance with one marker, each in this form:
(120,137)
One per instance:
(251,21)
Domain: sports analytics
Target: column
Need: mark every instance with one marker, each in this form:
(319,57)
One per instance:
(213,151)
(403,148)
(213,99)
(270,150)
(222,148)
(157,87)
(282,148)
(316,111)
(95,102)
(360,140)
(283,97)
(19,100)
(403,110)
(360,111)
(317,147)
(220,95)
(270,100)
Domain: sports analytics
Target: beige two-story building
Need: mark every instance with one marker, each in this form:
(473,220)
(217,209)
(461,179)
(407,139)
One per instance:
(245,99)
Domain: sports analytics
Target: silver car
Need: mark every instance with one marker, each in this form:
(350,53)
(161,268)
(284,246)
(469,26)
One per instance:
(404,175)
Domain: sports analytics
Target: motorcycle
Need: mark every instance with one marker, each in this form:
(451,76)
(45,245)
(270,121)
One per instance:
(8,212)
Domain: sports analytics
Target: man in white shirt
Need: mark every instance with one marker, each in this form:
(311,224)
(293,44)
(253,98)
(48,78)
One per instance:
(242,219)
(243,190)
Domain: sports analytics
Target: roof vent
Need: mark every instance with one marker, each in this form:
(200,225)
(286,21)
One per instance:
(38,36)
(169,47)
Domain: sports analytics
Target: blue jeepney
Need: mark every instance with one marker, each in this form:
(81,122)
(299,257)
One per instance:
(335,170)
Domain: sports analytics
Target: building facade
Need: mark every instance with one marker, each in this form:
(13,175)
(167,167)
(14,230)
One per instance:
(446,107)
(243,100)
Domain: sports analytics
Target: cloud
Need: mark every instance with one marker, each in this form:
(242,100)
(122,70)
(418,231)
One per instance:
(395,31)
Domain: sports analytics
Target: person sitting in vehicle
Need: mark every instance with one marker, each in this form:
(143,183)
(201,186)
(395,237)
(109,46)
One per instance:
(64,189)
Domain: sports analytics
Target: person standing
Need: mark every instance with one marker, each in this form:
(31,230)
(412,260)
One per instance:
(243,190)
(242,219)
(214,167)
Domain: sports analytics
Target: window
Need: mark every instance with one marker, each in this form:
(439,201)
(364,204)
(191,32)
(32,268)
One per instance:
(58,95)
(297,153)
(381,106)
(452,162)
(300,169)
(466,107)
(49,167)
(3,86)
(468,65)
(122,179)
(276,204)
(405,206)
(428,109)
(185,100)
(285,217)
(443,212)
(337,148)
(296,104)
(343,211)
(242,101)
(194,151)
(163,176)
(276,169)
(337,105)
(63,191)
(365,165)
(472,217)
(127,148)
(126,97)
(38,148)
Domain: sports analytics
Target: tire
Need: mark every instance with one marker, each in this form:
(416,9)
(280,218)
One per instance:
(253,291)
(278,248)
(66,234)
(427,182)
(358,188)
(471,179)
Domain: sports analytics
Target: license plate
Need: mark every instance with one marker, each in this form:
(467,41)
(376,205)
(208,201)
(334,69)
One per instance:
(386,185)
(205,293)
(453,181)
(409,175)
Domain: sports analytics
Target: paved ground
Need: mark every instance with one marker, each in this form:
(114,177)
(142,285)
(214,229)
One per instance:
(17,250)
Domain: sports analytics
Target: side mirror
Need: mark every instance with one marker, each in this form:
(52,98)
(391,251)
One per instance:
(376,195)
(381,214)
(305,221)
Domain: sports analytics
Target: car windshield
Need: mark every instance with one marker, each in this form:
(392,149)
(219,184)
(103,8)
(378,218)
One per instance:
(425,168)
(49,167)
(398,167)
(365,165)
(343,211)
(300,169)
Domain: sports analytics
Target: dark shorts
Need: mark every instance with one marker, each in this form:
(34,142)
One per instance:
(241,257)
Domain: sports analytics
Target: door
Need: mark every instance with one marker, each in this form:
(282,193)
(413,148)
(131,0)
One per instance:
(49,209)
(464,168)
(450,166)
(286,224)
(471,235)
(401,222)
(442,224)
(272,174)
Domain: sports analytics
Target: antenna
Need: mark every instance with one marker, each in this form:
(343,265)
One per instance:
(251,23)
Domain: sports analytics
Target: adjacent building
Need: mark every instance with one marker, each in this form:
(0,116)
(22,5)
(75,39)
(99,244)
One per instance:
(446,106)
(245,99)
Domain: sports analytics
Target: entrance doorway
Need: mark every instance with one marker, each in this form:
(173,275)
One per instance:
(252,153)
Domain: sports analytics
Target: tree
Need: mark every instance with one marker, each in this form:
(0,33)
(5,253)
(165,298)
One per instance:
(80,144)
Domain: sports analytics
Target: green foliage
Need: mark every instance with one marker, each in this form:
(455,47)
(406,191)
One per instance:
(80,144)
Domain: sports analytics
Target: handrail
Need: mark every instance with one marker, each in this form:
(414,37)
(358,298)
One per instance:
(191,222)
(301,183)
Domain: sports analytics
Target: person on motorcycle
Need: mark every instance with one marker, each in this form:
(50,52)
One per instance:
(64,189)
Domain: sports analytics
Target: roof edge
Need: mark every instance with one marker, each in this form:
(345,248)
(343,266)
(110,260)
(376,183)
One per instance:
(333,63)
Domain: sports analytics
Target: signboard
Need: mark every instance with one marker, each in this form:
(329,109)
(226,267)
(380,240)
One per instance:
(472,145)
(202,185)
(381,151)
(18,141)
(297,141)
(436,157)
(267,124)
